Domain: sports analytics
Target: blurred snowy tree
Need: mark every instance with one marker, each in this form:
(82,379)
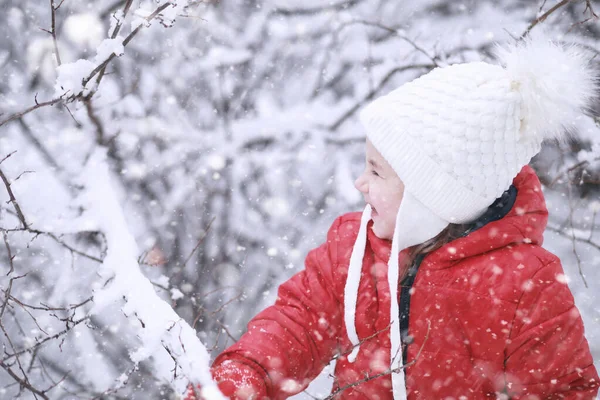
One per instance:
(232,143)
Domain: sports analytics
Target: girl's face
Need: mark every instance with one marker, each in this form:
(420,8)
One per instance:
(383,190)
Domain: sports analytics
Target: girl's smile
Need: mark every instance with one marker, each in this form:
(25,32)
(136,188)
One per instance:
(382,189)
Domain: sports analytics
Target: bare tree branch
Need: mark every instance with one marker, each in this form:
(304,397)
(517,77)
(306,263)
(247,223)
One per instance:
(113,35)
(374,92)
(56,239)
(7,156)
(125,43)
(49,158)
(86,80)
(336,33)
(17,115)
(316,10)
(395,32)
(14,201)
(543,17)
(16,354)
(588,6)
(10,261)
(570,169)
(53,30)
(199,241)
(388,371)
(23,382)
(7,294)
(573,241)
(87,101)
(45,307)
(574,236)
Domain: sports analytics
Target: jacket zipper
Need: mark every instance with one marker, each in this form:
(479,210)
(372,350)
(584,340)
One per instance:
(404,305)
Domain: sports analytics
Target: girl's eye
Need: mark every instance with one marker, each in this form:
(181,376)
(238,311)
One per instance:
(375,173)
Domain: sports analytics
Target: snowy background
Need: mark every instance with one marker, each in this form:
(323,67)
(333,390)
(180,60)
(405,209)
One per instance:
(166,164)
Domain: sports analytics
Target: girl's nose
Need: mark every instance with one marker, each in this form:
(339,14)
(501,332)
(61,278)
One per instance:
(361,183)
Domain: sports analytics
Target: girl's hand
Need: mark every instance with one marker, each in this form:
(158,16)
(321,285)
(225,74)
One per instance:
(236,381)
(191,393)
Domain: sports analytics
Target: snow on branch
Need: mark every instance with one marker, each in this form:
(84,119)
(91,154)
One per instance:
(165,338)
(73,78)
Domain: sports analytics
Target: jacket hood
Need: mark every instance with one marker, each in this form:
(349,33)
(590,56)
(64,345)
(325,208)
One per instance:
(524,223)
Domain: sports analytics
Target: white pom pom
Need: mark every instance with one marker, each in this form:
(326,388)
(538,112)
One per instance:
(556,84)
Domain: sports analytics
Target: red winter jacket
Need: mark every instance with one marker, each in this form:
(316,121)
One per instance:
(489,313)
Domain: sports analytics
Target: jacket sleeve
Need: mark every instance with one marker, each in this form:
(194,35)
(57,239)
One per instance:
(547,356)
(288,344)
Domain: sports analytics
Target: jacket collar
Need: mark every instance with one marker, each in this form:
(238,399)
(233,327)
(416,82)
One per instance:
(518,216)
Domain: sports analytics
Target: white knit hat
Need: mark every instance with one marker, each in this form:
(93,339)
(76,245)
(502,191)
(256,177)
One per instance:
(457,137)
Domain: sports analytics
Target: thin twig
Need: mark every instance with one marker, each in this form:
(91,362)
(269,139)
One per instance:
(335,40)
(203,295)
(588,6)
(125,43)
(10,258)
(199,242)
(126,8)
(388,371)
(114,34)
(6,297)
(351,349)
(14,299)
(343,5)
(87,101)
(579,239)
(7,156)
(86,80)
(203,311)
(572,168)
(46,307)
(41,342)
(226,330)
(61,174)
(69,247)
(396,33)
(373,92)
(56,239)
(23,173)
(593,224)
(543,17)
(573,244)
(33,108)
(53,30)
(14,201)
(23,382)
(218,310)
(77,123)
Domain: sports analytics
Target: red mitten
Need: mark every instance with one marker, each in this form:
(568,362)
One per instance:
(239,381)
(191,393)
(236,380)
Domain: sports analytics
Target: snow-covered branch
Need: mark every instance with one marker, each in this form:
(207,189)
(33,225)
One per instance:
(164,336)
(73,78)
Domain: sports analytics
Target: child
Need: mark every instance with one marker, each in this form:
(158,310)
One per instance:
(468,305)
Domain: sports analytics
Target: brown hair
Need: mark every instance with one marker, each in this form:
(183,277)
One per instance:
(450,233)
